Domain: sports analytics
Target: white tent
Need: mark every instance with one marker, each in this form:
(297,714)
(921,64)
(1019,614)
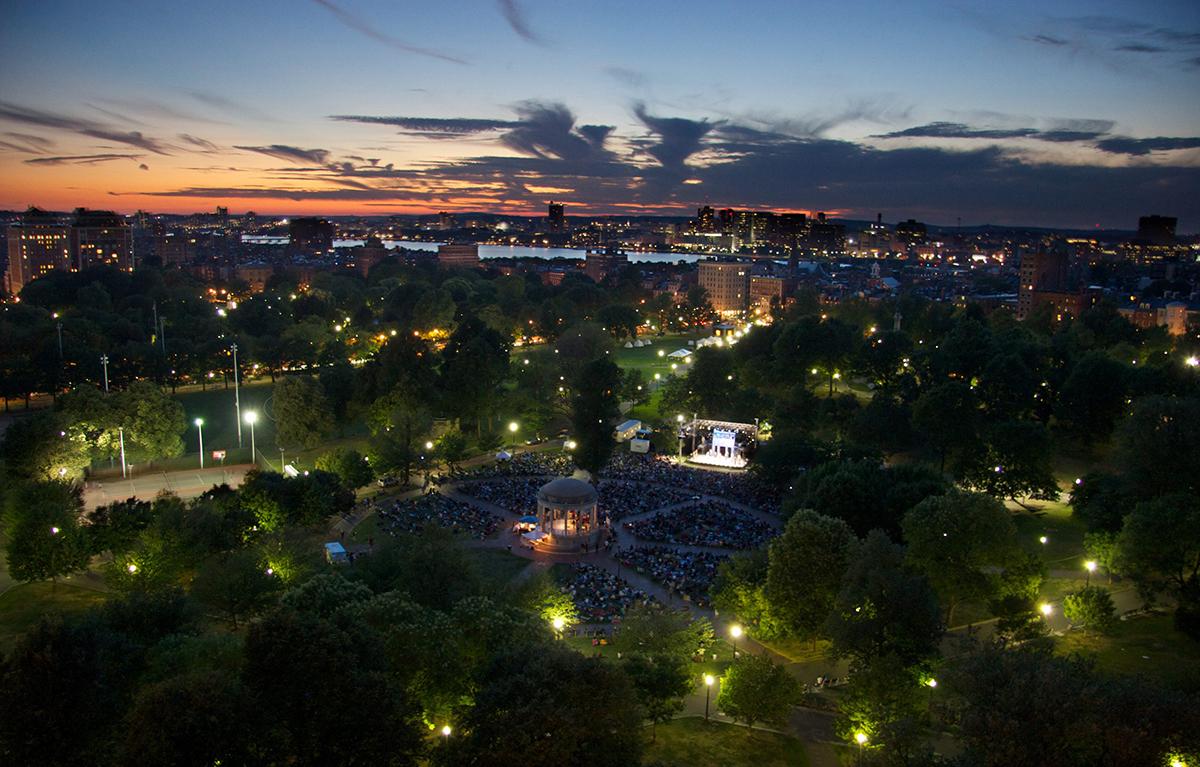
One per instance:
(504,455)
(628,344)
(680,354)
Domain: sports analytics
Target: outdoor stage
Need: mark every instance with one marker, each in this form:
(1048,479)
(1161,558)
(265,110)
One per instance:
(727,444)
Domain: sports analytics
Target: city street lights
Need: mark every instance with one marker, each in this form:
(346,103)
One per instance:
(679,429)
(446,733)
(1090,566)
(200,429)
(1046,609)
(121,434)
(104,362)
(512,429)
(735,631)
(708,683)
(559,624)
(252,418)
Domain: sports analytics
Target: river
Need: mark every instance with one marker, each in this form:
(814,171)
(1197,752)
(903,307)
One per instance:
(497,251)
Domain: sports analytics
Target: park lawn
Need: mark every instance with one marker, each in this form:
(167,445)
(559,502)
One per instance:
(1147,644)
(798,650)
(22,606)
(497,567)
(648,411)
(695,743)
(1063,548)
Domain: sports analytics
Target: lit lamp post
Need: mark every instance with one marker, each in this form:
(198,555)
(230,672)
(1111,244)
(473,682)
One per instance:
(708,683)
(679,420)
(512,429)
(735,631)
(252,418)
(446,733)
(559,624)
(104,362)
(861,739)
(200,429)
(1090,566)
(237,397)
(1047,609)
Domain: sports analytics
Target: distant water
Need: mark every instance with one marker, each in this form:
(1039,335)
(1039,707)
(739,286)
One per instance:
(496,251)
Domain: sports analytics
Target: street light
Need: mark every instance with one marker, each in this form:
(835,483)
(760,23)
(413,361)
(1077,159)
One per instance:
(558,623)
(104,362)
(1043,540)
(1090,566)
(200,428)
(1046,609)
(735,631)
(860,738)
(237,397)
(679,420)
(446,732)
(708,683)
(252,418)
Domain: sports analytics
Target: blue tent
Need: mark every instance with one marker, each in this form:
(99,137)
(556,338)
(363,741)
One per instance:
(528,519)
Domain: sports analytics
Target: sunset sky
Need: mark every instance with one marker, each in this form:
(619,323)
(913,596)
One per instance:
(1069,113)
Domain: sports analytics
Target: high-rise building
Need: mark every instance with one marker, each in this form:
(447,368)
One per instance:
(310,236)
(600,264)
(1156,230)
(706,219)
(101,238)
(365,256)
(39,244)
(911,232)
(557,217)
(458,256)
(1047,280)
(728,285)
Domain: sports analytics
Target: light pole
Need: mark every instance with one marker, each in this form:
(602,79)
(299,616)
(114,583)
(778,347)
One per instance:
(735,631)
(281,460)
(512,429)
(708,683)
(559,624)
(679,420)
(60,351)
(252,418)
(237,397)
(104,362)
(1090,566)
(446,733)
(200,430)
(121,435)
(861,739)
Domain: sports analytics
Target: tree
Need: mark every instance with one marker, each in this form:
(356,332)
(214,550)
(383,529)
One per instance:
(451,447)
(400,423)
(660,632)
(661,683)
(1092,398)
(756,690)
(620,320)
(594,413)
(804,571)
(959,541)
(946,417)
(194,720)
(884,609)
(41,448)
(1102,500)
(1159,547)
(153,422)
(116,526)
(1014,463)
(350,467)
(302,413)
(474,363)
(1030,707)
(236,585)
(1101,548)
(1158,445)
(885,700)
(564,709)
(1089,607)
(739,589)
(45,541)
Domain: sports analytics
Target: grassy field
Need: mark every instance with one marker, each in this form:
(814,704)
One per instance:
(798,650)
(22,606)
(1063,548)
(645,359)
(1147,645)
(696,743)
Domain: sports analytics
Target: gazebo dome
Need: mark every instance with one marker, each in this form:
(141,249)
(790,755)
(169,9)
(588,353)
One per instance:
(567,490)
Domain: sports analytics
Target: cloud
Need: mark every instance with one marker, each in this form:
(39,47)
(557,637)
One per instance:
(434,127)
(678,138)
(1144,146)
(626,76)
(40,142)
(229,106)
(1065,131)
(547,129)
(1140,48)
(82,126)
(201,144)
(516,19)
(81,159)
(143,166)
(290,153)
(362,26)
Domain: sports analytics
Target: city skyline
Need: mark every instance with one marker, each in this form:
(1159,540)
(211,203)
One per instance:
(1006,117)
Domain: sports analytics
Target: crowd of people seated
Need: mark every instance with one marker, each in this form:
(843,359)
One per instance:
(688,574)
(704,523)
(600,596)
(739,486)
(409,515)
(518,495)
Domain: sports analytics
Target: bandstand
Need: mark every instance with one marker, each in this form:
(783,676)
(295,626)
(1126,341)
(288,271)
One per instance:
(567,518)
